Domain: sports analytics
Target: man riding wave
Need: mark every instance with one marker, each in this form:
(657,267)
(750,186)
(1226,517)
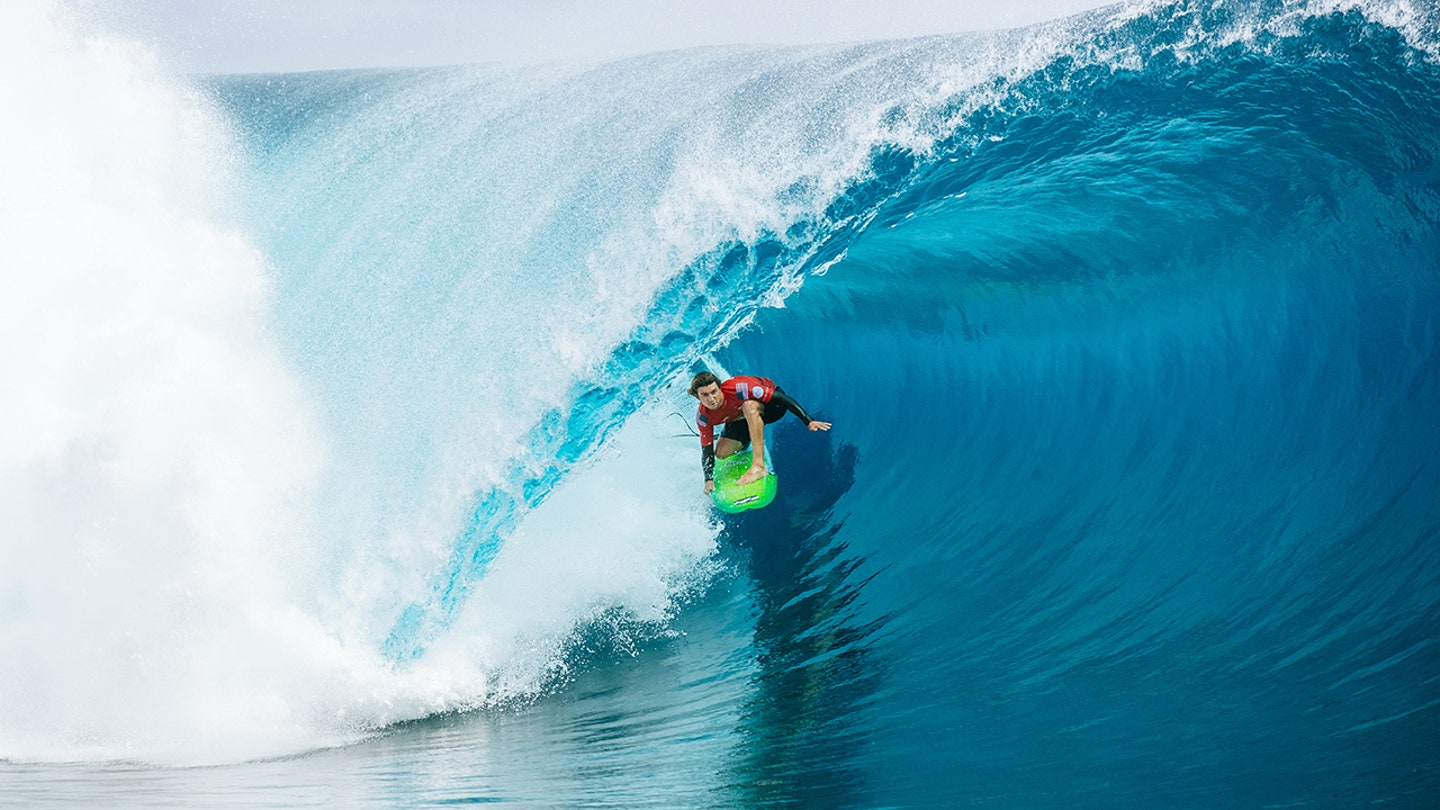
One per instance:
(744,406)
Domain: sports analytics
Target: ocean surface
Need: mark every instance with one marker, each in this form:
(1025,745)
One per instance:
(346,459)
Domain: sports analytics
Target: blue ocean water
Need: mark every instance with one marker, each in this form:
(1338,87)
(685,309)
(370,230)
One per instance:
(1127,325)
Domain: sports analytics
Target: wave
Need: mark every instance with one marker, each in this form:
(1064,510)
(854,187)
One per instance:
(1126,324)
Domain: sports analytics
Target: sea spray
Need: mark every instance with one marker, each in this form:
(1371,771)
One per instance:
(156,450)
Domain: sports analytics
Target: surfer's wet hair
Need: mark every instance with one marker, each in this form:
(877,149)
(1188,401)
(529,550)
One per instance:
(701,380)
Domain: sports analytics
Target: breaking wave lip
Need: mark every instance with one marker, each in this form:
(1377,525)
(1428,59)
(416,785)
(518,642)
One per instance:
(407,596)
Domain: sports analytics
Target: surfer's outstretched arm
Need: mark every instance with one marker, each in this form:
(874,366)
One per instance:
(796,408)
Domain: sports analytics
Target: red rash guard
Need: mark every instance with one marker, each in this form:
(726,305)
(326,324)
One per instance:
(736,390)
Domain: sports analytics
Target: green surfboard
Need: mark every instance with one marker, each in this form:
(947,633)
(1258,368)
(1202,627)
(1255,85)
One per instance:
(732,497)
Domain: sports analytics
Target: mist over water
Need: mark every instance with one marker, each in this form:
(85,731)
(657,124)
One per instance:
(347,411)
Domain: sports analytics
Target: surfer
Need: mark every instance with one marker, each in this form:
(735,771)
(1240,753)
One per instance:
(744,405)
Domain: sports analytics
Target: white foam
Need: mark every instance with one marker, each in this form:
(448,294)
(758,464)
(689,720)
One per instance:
(155,452)
(626,535)
(158,578)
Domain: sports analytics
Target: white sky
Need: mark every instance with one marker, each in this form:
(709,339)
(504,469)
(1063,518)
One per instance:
(239,36)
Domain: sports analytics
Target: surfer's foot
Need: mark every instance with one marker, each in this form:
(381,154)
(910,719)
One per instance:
(755,473)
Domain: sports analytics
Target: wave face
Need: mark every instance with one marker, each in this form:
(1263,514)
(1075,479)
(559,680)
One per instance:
(1127,326)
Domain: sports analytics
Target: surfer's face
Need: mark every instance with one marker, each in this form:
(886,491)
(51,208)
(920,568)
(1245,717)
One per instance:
(710,396)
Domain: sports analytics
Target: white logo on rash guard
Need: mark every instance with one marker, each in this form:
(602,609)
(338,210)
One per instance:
(758,392)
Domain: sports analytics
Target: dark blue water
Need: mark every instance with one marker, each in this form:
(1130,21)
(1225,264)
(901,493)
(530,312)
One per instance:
(1128,331)
(1140,438)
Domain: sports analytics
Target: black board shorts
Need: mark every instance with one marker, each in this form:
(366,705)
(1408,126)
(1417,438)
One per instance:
(739,430)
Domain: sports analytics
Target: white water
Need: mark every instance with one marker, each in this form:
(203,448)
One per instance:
(156,453)
(163,591)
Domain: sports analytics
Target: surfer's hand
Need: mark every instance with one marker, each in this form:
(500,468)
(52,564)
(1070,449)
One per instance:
(817,425)
(709,487)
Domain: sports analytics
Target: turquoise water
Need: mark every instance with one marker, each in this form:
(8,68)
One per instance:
(361,484)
